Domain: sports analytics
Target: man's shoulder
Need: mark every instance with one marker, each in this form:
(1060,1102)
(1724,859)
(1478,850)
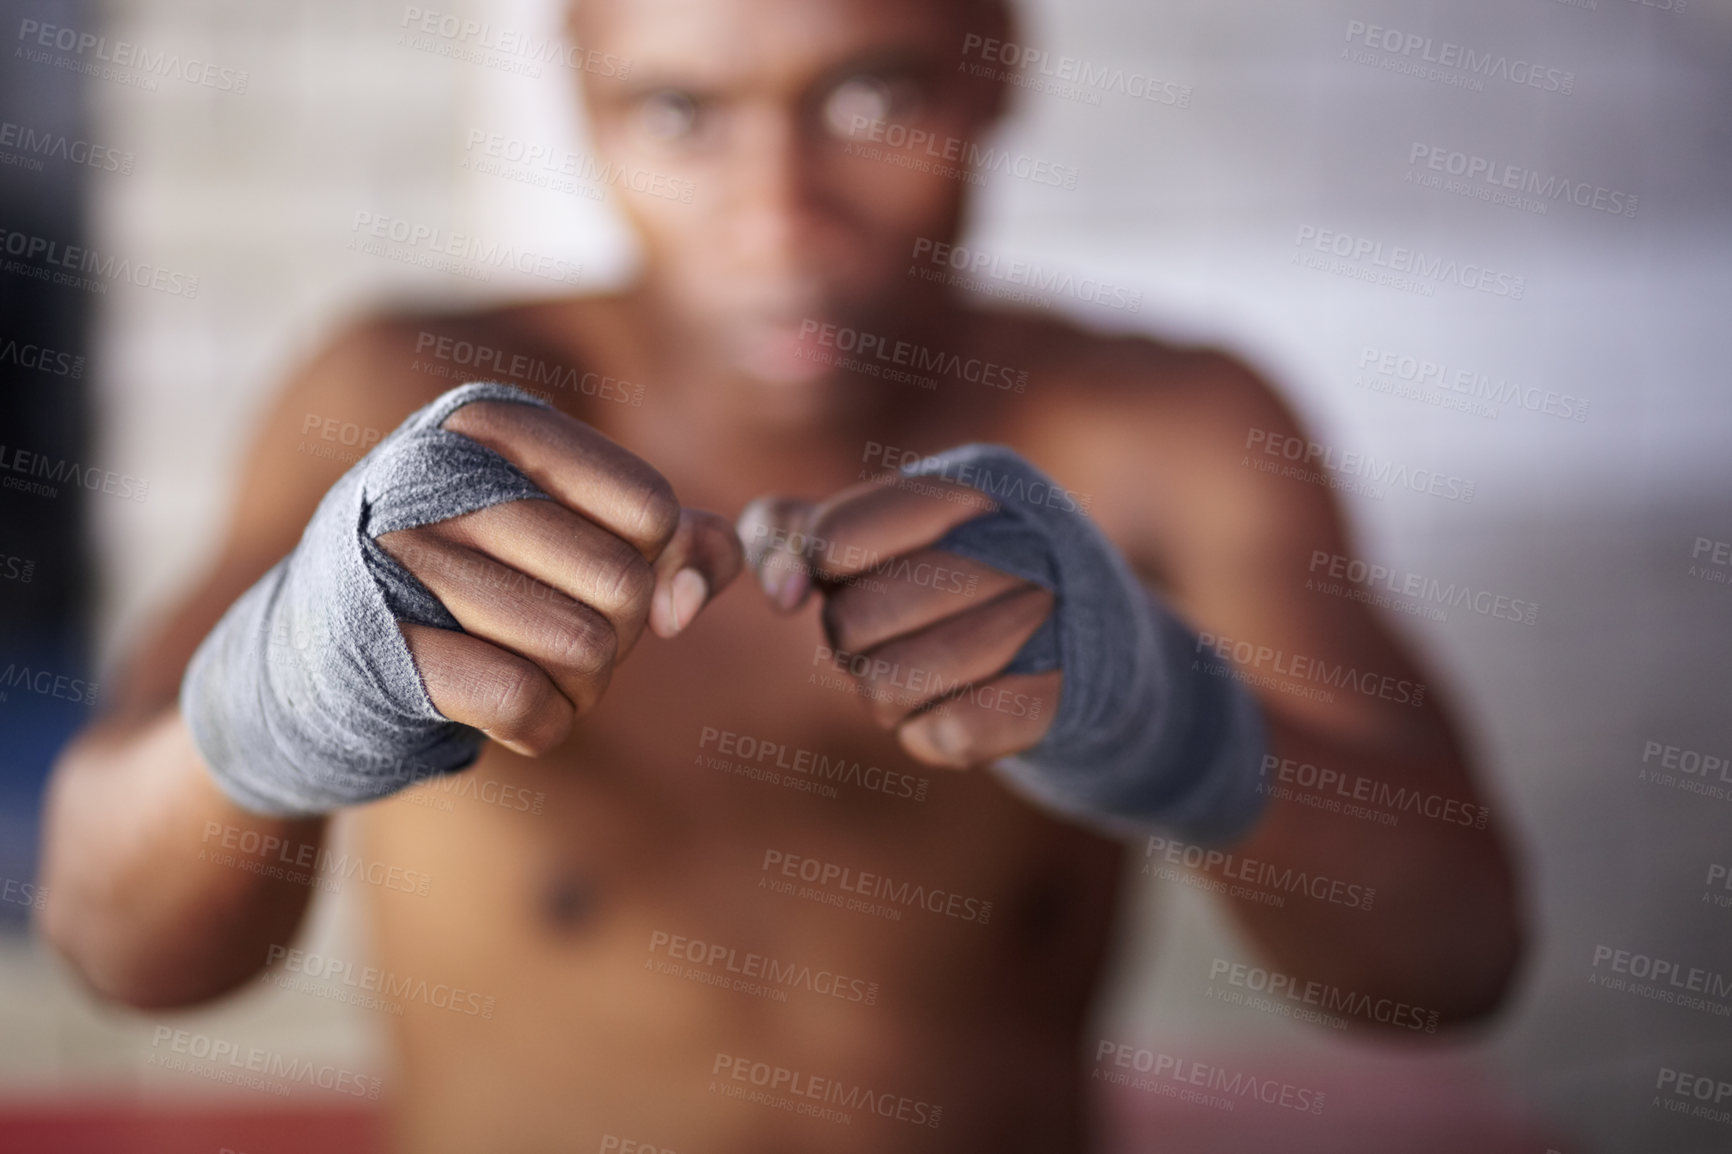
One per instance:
(1154,433)
(1094,388)
(394,361)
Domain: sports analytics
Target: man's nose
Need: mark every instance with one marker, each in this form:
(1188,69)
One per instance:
(777,218)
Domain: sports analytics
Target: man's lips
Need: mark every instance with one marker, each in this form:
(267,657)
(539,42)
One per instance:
(783,350)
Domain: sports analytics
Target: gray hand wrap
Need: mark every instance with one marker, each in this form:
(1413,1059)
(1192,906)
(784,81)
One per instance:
(1143,736)
(304,698)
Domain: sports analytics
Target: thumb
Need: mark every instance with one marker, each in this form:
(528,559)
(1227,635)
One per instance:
(701,559)
(775,533)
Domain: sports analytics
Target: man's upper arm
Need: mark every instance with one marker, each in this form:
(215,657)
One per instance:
(1246,551)
(329,414)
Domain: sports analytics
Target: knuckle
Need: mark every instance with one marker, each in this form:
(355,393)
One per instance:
(837,618)
(848,621)
(580,642)
(855,616)
(516,693)
(410,548)
(585,693)
(655,510)
(472,419)
(1040,602)
(551,726)
(633,582)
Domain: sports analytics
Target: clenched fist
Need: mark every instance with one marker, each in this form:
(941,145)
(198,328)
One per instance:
(988,619)
(552,594)
(481,571)
(929,636)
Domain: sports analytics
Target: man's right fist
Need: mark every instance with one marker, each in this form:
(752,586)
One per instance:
(484,568)
(552,594)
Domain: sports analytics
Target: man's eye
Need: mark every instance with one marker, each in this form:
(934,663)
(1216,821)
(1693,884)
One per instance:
(860,100)
(669,115)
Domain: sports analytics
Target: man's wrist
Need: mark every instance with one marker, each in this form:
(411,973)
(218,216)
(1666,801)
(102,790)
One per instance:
(1186,759)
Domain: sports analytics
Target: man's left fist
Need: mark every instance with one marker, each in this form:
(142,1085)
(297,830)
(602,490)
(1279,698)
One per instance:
(926,634)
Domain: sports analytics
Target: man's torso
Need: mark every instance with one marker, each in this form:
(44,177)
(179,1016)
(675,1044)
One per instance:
(730,911)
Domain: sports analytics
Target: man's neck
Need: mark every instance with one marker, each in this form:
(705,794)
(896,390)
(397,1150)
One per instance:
(734,437)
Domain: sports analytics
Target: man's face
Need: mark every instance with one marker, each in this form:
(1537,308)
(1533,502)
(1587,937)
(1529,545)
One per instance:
(769,109)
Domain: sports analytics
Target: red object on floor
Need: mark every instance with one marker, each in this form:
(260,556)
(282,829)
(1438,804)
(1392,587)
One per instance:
(1373,1102)
(106,1127)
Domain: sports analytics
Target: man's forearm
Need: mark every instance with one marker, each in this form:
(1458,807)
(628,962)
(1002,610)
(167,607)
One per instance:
(139,864)
(1422,908)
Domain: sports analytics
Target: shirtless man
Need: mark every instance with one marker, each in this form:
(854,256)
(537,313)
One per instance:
(563,916)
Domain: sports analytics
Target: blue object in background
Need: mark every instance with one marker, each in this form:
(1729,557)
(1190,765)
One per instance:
(45,570)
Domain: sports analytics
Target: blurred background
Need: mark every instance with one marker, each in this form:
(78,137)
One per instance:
(1586,399)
